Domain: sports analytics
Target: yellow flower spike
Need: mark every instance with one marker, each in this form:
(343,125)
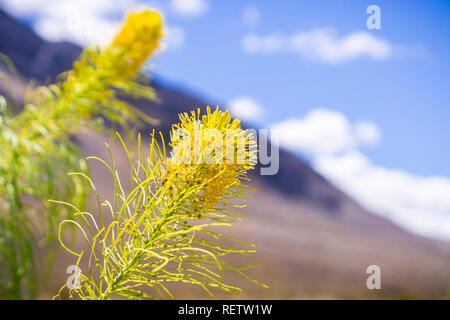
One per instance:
(228,171)
(138,38)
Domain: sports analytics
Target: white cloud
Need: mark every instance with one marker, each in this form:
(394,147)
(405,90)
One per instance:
(245,108)
(421,204)
(325,131)
(251,16)
(174,37)
(84,22)
(367,133)
(321,45)
(190,7)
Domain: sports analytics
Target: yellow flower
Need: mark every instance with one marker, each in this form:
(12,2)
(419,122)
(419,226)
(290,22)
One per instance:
(211,150)
(90,89)
(138,38)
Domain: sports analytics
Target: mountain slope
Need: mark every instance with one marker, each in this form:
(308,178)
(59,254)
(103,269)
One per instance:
(312,239)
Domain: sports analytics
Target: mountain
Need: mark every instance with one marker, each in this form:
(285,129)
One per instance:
(313,240)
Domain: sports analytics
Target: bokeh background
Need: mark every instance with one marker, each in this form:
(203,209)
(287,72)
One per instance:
(363,116)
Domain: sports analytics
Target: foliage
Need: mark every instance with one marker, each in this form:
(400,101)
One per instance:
(37,150)
(162,231)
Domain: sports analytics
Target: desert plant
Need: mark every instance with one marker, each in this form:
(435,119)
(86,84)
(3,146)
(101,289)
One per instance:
(37,150)
(162,231)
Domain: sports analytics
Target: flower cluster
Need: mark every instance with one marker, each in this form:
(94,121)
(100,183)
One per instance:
(211,151)
(138,38)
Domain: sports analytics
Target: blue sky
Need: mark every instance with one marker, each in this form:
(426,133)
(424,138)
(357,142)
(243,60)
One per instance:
(393,83)
(407,97)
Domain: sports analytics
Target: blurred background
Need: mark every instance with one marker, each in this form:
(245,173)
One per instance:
(363,115)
